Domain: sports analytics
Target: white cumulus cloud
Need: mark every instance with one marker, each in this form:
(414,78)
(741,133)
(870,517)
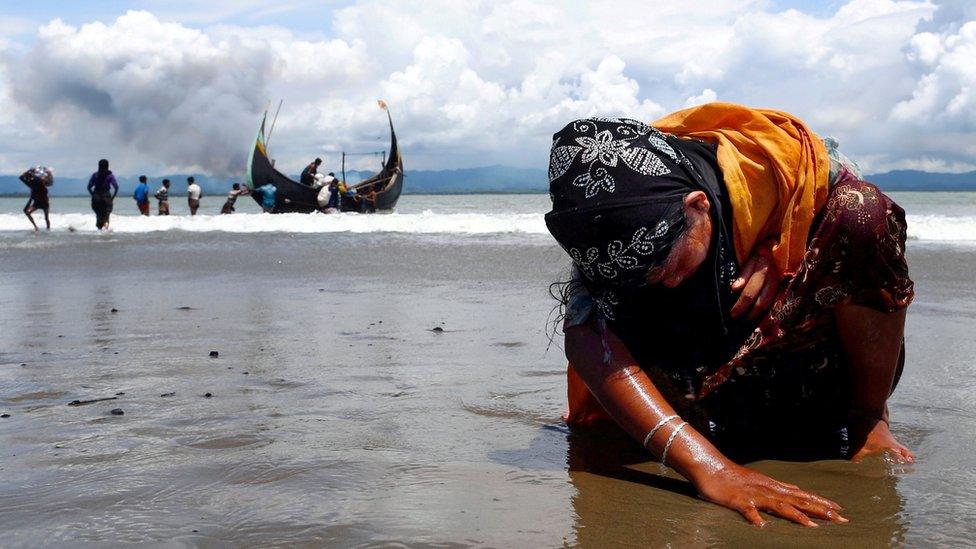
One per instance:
(483,82)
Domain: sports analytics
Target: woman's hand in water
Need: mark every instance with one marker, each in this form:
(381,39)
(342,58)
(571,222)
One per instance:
(758,282)
(749,492)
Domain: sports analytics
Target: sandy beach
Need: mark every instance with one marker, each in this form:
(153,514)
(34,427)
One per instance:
(339,416)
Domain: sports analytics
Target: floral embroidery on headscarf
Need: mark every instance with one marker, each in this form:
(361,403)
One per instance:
(642,243)
(606,149)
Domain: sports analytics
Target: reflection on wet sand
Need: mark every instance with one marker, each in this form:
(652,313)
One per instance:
(622,497)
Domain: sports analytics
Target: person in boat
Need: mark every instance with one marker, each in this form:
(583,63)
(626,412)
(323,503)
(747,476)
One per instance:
(308,174)
(267,194)
(235,191)
(38,179)
(141,195)
(193,194)
(102,187)
(162,197)
(739,293)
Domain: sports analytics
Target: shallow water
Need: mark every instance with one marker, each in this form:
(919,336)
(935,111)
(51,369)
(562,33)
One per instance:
(339,417)
(932,217)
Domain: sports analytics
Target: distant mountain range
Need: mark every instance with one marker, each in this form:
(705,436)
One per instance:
(914,180)
(488,179)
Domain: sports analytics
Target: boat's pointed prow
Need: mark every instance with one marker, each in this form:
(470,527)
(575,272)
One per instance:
(258,148)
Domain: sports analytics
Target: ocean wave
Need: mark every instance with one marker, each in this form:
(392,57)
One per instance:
(426,222)
(920,227)
(942,228)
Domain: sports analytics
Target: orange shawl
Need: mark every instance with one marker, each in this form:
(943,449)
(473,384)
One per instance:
(775,169)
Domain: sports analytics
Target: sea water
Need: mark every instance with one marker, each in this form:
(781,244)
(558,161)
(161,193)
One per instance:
(932,217)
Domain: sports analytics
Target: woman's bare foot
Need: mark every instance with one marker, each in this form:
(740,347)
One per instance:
(872,436)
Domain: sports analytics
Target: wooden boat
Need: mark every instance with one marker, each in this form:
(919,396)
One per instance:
(294,197)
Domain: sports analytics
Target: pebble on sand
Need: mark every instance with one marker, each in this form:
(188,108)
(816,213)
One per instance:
(117,412)
(214,354)
(437,329)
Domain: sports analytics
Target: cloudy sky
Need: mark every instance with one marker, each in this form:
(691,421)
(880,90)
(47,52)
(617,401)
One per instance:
(162,86)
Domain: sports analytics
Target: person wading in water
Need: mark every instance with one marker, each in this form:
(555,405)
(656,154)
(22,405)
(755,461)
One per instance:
(235,191)
(38,179)
(193,193)
(102,187)
(739,293)
(162,196)
(141,195)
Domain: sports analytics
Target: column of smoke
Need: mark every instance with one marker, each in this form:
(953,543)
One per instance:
(169,92)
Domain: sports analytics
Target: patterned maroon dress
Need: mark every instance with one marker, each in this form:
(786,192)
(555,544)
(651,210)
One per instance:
(792,371)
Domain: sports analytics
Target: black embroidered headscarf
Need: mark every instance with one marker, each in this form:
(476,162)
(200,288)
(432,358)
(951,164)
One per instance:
(617,187)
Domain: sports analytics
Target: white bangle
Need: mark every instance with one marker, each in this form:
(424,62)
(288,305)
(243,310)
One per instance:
(667,446)
(656,428)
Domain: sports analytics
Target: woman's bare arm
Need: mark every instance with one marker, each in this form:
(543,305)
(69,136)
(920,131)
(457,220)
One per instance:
(628,395)
(873,342)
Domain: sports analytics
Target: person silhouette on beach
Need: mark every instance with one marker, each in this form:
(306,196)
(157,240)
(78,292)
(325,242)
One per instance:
(738,292)
(102,187)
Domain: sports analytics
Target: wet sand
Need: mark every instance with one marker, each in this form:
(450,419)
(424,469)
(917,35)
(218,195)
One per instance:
(338,417)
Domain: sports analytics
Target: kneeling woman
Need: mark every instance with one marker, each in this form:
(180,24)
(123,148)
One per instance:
(738,293)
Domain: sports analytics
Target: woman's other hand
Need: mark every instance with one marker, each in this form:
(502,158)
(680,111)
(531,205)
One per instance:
(749,492)
(758,282)
(872,436)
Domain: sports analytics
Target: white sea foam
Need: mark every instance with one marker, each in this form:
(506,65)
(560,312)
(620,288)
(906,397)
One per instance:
(938,228)
(426,222)
(942,228)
